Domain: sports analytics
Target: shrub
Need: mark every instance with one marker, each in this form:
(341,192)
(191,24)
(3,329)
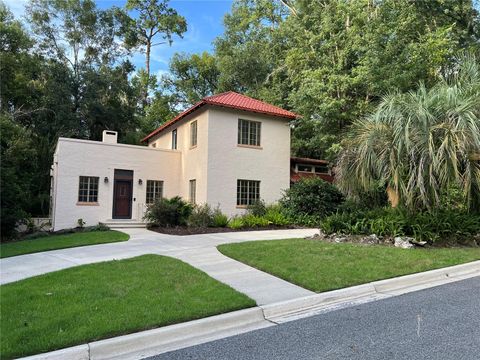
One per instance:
(258,208)
(275,216)
(311,197)
(236,223)
(252,221)
(99,227)
(220,220)
(450,225)
(201,216)
(205,216)
(168,212)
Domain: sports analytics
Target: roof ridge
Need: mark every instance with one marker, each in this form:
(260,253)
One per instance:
(206,98)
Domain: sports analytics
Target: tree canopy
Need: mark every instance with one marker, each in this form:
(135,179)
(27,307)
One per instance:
(69,72)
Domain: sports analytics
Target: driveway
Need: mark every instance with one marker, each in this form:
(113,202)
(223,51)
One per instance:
(197,250)
(437,323)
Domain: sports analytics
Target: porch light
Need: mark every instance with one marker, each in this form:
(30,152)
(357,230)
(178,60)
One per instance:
(140,182)
(105,180)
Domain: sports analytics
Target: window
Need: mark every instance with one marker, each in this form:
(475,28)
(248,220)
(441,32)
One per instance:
(154,190)
(248,192)
(193,134)
(174,139)
(88,189)
(306,168)
(248,132)
(322,169)
(193,191)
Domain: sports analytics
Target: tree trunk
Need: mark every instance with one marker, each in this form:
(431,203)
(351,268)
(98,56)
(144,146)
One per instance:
(393,196)
(147,70)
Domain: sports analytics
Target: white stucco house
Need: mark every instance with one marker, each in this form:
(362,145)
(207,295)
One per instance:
(228,150)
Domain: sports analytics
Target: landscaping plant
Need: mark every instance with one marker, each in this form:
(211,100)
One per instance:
(168,212)
(310,200)
(418,144)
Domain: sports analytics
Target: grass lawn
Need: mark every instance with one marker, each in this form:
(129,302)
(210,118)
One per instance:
(91,302)
(63,241)
(321,266)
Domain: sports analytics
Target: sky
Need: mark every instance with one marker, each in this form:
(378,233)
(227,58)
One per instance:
(204,21)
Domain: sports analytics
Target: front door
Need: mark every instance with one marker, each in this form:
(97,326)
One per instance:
(122,194)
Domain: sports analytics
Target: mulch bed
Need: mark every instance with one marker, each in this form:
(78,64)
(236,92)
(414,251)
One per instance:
(184,230)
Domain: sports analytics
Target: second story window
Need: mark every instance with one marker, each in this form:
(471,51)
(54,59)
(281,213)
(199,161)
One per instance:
(154,191)
(249,132)
(174,139)
(88,189)
(193,134)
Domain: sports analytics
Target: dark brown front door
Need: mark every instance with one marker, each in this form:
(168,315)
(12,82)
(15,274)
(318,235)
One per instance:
(122,195)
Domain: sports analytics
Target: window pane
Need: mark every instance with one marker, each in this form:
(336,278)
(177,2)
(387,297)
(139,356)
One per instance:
(174,139)
(248,192)
(193,133)
(307,168)
(248,132)
(88,189)
(154,191)
(193,191)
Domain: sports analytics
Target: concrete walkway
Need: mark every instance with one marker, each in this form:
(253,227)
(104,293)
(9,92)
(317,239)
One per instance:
(197,250)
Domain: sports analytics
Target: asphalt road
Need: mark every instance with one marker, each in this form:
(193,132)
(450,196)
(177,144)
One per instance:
(437,323)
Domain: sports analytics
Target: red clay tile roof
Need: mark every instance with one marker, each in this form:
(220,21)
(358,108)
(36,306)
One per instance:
(231,100)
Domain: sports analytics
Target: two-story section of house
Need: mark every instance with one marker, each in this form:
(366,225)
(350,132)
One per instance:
(228,150)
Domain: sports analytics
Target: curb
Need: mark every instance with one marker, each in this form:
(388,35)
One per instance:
(151,342)
(156,341)
(309,305)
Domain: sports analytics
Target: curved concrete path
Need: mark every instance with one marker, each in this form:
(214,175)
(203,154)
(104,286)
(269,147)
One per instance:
(197,250)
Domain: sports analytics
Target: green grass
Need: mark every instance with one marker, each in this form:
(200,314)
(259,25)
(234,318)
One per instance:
(64,241)
(96,301)
(321,266)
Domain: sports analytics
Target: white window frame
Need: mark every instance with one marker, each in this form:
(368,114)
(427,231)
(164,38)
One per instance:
(91,189)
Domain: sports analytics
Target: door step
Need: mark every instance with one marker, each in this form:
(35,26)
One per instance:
(117,224)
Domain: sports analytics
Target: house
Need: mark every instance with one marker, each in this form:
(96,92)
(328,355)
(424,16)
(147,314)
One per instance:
(228,150)
(301,168)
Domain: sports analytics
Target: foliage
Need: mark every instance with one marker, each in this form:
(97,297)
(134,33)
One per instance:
(235,223)
(443,224)
(258,208)
(168,212)
(94,295)
(274,214)
(17,174)
(420,143)
(220,220)
(311,197)
(321,266)
(206,216)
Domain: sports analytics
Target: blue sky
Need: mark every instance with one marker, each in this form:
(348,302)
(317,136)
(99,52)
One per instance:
(204,20)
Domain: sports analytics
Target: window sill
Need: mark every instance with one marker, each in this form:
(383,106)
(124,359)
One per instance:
(250,146)
(193,147)
(242,206)
(80,203)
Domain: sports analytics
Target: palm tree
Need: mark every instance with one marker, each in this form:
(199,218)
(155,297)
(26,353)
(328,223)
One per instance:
(420,143)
